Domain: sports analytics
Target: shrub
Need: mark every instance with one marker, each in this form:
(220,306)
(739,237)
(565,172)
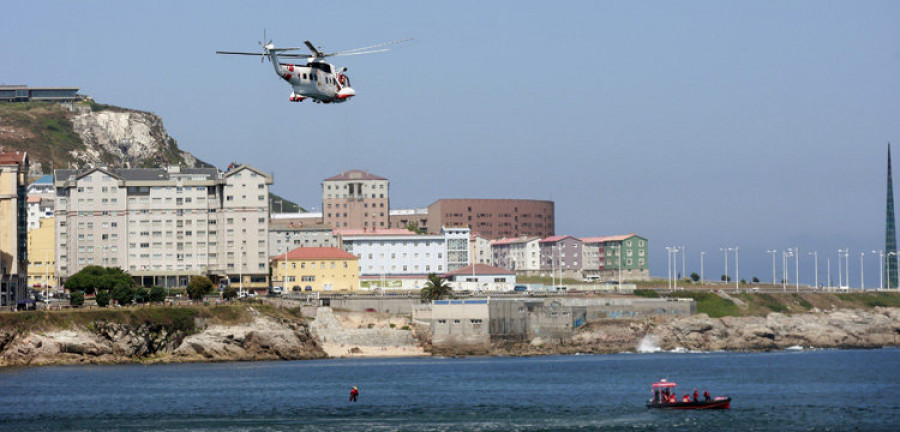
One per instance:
(141,295)
(199,287)
(646,293)
(102,298)
(123,294)
(157,294)
(77,298)
(229,293)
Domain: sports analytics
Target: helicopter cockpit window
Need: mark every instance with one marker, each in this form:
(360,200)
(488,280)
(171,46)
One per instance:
(324,67)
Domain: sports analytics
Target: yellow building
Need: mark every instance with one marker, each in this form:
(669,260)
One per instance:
(42,255)
(316,269)
(13,228)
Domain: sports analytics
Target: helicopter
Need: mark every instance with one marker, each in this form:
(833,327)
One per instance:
(315,78)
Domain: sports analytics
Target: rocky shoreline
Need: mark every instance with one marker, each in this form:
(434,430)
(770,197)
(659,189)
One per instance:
(362,335)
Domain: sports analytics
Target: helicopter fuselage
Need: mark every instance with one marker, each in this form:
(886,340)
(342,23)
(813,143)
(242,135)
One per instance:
(317,80)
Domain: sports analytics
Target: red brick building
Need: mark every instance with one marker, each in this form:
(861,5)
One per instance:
(494,218)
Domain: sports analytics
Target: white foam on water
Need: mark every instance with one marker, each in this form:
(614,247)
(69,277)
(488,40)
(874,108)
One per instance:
(649,344)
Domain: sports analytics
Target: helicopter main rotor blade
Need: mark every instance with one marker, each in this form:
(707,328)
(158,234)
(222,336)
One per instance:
(356,52)
(239,53)
(368,48)
(313,49)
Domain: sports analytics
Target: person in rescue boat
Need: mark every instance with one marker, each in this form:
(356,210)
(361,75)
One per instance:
(706,395)
(354,393)
(696,395)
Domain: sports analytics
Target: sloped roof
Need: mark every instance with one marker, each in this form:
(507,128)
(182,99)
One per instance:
(13,158)
(480,269)
(310,253)
(355,174)
(373,232)
(506,241)
(608,238)
(554,239)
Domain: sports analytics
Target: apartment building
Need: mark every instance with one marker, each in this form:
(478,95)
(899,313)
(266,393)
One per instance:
(165,225)
(561,255)
(287,233)
(623,257)
(356,199)
(399,252)
(13,228)
(42,253)
(306,269)
(493,218)
(521,254)
(41,199)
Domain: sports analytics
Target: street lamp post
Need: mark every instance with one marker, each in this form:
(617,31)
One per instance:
(880,269)
(701,266)
(773,251)
(862,278)
(683,274)
(840,253)
(725,252)
(815,255)
(737,269)
(797,268)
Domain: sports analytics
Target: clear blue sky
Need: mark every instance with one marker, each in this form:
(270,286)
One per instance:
(705,124)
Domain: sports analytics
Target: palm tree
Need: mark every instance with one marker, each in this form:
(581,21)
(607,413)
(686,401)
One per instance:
(435,289)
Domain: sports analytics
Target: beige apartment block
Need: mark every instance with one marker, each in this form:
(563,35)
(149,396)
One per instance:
(13,228)
(164,226)
(356,199)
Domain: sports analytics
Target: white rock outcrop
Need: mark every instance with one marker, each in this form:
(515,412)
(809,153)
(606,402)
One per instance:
(126,139)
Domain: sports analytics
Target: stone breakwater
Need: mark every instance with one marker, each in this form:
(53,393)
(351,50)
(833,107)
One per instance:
(879,327)
(265,338)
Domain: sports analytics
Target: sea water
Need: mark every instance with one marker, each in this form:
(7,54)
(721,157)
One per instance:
(829,390)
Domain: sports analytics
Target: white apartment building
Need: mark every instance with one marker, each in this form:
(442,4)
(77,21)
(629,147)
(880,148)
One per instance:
(519,254)
(41,199)
(400,252)
(165,225)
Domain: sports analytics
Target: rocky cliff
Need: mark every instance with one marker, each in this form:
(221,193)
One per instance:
(85,133)
(848,328)
(263,338)
(127,139)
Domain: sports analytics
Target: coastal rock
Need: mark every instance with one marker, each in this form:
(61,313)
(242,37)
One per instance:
(263,339)
(105,342)
(838,329)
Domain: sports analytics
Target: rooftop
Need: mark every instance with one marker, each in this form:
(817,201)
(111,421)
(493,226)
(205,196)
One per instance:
(355,174)
(311,253)
(607,239)
(480,269)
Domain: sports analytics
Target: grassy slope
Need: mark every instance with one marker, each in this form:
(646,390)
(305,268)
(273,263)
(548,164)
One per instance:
(763,304)
(173,318)
(49,135)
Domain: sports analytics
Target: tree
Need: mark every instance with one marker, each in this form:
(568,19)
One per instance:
(102,298)
(695,277)
(92,278)
(755,279)
(141,295)
(229,293)
(157,294)
(77,299)
(123,294)
(435,289)
(414,227)
(726,278)
(198,287)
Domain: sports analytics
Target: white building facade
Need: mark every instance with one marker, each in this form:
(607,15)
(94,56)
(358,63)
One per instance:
(398,252)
